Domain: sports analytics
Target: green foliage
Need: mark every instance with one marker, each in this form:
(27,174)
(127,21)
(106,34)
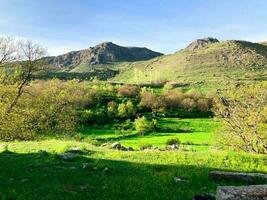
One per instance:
(126,110)
(45,108)
(172,141)
(143,125)
(243,109)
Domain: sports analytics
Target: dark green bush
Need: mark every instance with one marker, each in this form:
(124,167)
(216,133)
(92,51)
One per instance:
(172,141)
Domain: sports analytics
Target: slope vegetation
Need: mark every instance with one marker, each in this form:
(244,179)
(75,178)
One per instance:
(213,62)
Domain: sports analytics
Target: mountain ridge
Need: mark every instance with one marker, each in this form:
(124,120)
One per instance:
(102,53)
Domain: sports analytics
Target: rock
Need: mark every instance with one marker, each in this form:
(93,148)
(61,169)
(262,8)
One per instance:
(236,176)
(252,192)
(178,179)
(24,180)
(105,170)
(85,165)
(67,156)
(123,148)
(75,150)
(104,144)
(116,145)
(172,147)
(204,196)
(73,168)
(130,149)
(101,54)
(199,43)
(95,168)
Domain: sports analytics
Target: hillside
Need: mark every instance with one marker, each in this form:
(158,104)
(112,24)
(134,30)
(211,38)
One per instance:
(210,62)
(103,53)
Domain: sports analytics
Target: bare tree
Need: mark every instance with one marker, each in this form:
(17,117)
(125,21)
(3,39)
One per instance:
(8,50)
(19,60)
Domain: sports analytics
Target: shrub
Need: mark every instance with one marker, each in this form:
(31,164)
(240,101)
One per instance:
(143,125)
(126,110)
(151,101)
(129,91)
(173,98)
(188,103)
(122,111)
(172,141)
(204,104)
(112,109)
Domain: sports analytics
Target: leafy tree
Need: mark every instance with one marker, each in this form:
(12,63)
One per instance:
(126,109)
(243,110)
(143,125)
(131,111)
(122,110)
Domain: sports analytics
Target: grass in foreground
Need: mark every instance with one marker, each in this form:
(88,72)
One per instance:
(29,174)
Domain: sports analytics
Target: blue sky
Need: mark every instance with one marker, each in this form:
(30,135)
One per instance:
(161,25)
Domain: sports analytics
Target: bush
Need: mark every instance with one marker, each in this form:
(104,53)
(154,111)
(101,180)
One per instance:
(129,91)
(189,103)
(151,101)
(126,110)
(112,109)
(172,141)
(143,125)
(174,98)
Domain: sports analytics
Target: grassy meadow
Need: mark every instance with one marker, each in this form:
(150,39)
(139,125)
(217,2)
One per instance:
(33,170)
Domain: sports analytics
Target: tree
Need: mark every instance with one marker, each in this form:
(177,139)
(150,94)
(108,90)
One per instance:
(243,110)
(143,125)
(19,59)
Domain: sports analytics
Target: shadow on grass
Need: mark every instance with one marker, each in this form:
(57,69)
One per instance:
(45,176)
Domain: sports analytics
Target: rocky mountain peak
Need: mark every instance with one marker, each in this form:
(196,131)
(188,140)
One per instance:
(199,43)
(102,53)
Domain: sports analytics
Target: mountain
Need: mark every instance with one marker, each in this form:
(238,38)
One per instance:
(103,53)
(199,43)
(263,43)
(203,60)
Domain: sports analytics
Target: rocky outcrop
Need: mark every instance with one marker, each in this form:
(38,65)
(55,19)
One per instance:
(252,192)
(237,176)
(199,43)
(102,54)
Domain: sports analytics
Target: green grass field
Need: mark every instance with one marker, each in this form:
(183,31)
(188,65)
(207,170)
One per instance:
(200,136)
(34,170)
(27,173)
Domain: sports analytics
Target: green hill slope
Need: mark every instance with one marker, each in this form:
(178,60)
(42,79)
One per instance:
(214,62)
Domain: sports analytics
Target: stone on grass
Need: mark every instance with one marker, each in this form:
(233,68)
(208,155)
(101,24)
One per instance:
(105,170)
(252,192)
(130,149)
(75,150)
(205,196)
(67,156)
(236,176)
(116,145)
(104,144)
(178,179)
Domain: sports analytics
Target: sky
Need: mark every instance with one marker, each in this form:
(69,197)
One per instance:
(161,25)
